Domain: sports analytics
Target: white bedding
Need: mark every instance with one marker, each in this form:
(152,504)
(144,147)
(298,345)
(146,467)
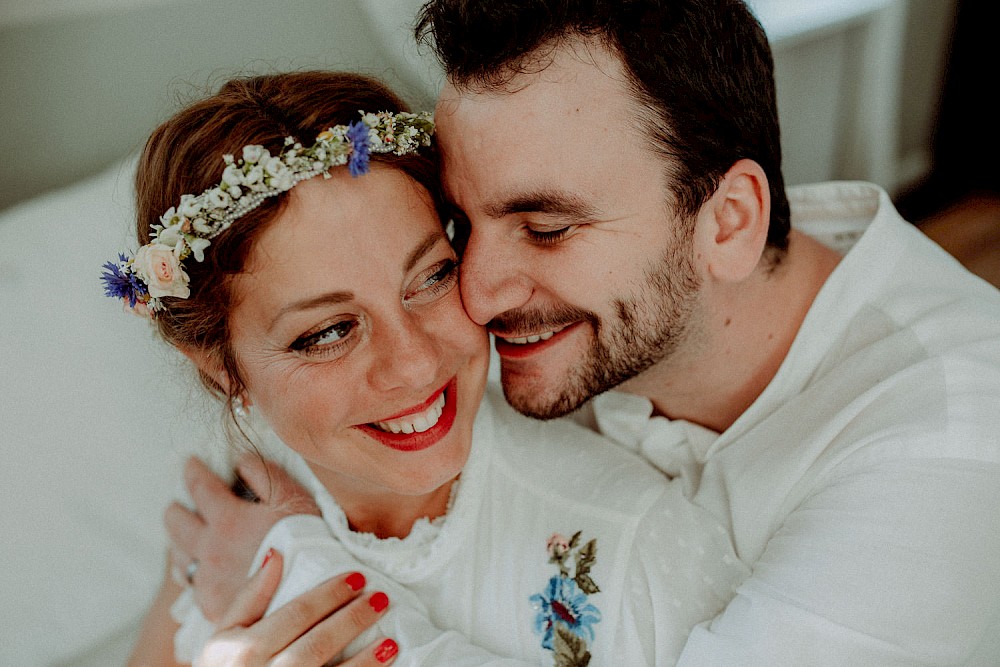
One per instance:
(95,418)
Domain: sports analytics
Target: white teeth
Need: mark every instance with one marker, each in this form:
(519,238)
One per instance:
(531,339)
(418,422)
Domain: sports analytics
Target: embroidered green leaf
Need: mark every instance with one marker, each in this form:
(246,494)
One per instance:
(587,584)
(573,541)
(570,650)
(585,557)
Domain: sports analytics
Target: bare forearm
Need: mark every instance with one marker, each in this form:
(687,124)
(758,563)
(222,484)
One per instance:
(155,645)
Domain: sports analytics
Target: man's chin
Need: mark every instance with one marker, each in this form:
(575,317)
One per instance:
(539,402)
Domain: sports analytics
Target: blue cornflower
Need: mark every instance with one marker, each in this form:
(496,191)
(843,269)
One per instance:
(357,133)
(562,603)
(123,284)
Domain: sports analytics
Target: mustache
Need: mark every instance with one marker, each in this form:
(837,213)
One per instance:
(529,320)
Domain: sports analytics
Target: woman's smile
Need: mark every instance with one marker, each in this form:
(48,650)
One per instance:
(354,343)
(419,427)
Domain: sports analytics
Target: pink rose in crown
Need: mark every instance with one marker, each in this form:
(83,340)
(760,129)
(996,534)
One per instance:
(139,310)
(159,268)
(557,545)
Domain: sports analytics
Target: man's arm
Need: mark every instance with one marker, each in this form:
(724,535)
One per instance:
(892,563)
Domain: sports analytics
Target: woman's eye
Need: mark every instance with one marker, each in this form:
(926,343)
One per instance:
(325,339)
(438,282)
(547,236)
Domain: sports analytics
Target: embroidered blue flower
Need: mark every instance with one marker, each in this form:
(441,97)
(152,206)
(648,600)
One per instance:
(122,283)
(357,133)
(564,604)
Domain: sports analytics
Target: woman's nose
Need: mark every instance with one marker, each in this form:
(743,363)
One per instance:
(409,357)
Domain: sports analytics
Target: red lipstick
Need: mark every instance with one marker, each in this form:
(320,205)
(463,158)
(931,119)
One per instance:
(413,442)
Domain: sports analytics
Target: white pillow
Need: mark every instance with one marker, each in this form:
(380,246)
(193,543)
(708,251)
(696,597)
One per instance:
(96,418)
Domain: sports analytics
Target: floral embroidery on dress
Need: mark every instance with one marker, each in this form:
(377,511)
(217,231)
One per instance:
(566,617)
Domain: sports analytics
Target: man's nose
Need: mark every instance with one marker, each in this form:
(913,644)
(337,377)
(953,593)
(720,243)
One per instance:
(492,278)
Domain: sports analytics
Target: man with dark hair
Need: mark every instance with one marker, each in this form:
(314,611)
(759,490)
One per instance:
(814,372)
(830,391)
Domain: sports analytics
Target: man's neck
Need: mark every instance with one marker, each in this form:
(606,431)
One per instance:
(742,339)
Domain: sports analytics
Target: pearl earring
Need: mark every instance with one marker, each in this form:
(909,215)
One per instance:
(239,407)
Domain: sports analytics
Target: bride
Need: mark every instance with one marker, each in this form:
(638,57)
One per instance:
(328,308)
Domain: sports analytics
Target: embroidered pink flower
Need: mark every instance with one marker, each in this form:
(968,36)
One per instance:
(557,546)
(564,613)
(158,267)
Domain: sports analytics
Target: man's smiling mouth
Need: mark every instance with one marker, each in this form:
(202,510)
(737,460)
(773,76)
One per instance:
(532,338)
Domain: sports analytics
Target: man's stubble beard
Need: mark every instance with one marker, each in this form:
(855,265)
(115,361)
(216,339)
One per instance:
(648,328)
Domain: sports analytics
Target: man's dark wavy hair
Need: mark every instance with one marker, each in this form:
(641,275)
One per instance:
(702,68)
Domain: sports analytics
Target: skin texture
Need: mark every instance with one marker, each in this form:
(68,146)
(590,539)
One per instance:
(245,638)
(572,232)
(222,531)
(348,313)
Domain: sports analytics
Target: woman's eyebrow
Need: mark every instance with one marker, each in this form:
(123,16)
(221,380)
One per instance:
(338,297)
(422,249)
(547,202)
(329,298)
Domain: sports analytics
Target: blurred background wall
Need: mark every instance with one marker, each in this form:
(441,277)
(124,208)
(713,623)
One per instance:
(82,82)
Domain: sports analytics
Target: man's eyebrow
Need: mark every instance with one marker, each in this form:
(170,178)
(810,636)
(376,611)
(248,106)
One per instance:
(546,202)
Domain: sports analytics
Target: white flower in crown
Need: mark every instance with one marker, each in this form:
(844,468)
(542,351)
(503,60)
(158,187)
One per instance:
(172,236)
(219,198)
(189,207)
(232,175)
(254,177)
(186,230)
(254,154)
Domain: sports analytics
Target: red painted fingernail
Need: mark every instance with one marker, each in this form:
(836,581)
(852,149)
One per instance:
(386,650)
(355,581)
(379,601)
(268,556)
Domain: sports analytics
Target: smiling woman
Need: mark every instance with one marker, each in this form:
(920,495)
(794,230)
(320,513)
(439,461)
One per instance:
(369,343)
(329,308)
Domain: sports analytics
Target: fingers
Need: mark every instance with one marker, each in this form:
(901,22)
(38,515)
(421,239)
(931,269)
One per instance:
(184,528)
(251,603)
(257,475)
(274,486)
(380,652)
(211,495)
(319,624)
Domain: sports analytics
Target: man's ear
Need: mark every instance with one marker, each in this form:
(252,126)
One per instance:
(733,224)
(210,365)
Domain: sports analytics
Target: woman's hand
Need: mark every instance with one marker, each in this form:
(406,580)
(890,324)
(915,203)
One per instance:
(225,530)
(305,632)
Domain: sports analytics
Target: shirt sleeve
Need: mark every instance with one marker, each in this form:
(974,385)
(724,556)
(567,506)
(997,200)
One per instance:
(683,571)
(312,555)
(892,563)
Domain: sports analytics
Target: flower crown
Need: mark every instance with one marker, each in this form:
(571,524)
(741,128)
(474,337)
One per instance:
(156,270)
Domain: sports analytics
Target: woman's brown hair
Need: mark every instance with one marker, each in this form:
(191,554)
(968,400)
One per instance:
(185,156)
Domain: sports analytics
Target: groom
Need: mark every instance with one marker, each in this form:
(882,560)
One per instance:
(831,391)
(619,167)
